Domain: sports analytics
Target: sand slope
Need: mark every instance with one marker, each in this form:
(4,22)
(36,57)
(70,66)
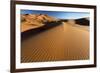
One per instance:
(31,21)
(64,42)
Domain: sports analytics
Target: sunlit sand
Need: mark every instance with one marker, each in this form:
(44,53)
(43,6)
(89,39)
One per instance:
(67,41)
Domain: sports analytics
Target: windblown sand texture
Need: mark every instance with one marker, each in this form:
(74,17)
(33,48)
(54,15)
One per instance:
(67,41)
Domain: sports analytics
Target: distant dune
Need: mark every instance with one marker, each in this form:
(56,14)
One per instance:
(31,21)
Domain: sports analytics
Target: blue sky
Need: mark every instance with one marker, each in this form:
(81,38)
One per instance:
(58,14)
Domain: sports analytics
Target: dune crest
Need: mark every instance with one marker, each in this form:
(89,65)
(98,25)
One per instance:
(30,21)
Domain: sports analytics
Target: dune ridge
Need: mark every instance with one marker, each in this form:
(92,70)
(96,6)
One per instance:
(31,21)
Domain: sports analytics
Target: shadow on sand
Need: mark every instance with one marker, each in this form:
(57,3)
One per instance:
(33,32)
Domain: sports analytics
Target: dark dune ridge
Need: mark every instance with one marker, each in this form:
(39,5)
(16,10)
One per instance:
(82,21)
(36,31)
(49,25)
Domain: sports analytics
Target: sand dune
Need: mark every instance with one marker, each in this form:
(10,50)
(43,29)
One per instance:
(68,41)
(31,21)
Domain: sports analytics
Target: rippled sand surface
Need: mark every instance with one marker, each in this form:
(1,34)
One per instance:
(61,43)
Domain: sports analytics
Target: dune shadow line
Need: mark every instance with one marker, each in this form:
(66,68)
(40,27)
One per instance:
(36,31)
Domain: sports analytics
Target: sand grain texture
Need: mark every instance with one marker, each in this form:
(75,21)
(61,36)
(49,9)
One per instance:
(63,42)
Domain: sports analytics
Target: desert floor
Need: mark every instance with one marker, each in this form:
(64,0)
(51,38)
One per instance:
(61,43)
